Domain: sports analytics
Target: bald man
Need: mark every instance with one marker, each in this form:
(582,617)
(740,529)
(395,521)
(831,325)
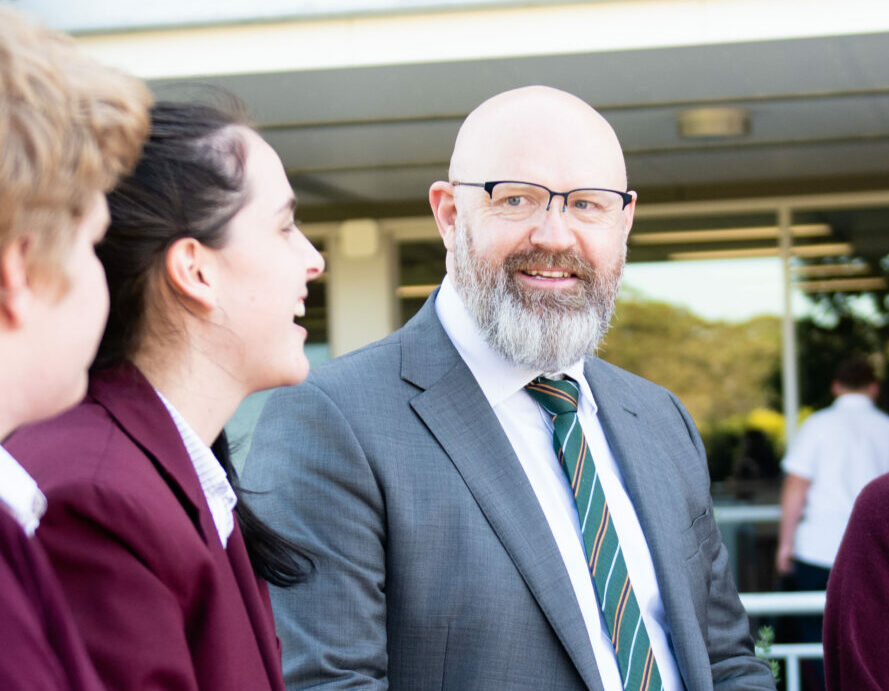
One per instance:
(474,526)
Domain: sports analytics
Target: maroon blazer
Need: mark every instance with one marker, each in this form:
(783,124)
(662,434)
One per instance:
(40,648)
(160,602)
(856,633)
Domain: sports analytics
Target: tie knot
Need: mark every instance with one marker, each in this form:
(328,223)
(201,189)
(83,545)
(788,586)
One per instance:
(555,396)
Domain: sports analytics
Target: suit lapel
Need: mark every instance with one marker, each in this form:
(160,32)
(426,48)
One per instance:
(653,488)
(456,412)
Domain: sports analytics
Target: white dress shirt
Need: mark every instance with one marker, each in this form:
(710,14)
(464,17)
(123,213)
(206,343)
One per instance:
(20,494)
(530,431)
(219,493)
(840,449)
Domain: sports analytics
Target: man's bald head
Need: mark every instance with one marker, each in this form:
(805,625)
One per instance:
(538,134)
(540,286)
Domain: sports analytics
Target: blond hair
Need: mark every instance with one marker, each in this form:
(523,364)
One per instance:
(69,128)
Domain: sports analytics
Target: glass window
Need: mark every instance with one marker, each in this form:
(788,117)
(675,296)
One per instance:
(421,266)
(840,298)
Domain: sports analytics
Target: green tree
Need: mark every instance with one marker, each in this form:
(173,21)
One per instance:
(823,346)
(721,371)
(718,369)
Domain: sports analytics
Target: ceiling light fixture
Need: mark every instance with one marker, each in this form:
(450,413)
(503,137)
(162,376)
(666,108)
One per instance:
(714,122)
(833,249)
(842,285)
(415,291)
(830,270)
(671,237)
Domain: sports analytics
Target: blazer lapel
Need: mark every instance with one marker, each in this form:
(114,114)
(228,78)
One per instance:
(258,606)
(455,410)
(132,402)
(134,405)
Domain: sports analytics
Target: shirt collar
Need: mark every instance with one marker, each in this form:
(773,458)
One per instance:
(498,378)
(20,493)
(854,400)
(220,496)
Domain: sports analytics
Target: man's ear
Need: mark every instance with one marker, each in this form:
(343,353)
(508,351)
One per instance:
(191,270)
(441,199)
(15,292)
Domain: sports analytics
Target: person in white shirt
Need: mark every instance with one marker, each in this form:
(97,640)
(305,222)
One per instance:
(454,551)
(69,127)
(836,452)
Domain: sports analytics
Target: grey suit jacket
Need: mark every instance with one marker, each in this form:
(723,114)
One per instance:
(434,565)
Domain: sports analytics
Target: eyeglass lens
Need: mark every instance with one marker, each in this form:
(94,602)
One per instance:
(521,201)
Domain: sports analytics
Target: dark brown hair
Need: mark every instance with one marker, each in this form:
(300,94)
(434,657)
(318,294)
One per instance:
(189,182)
(855,374)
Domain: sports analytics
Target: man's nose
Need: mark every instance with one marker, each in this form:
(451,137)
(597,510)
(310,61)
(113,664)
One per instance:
(553,229)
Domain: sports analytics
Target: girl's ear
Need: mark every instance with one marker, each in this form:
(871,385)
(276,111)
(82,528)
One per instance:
(191,270)
(16,296)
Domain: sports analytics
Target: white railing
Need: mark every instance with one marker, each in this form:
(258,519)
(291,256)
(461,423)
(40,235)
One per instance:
(775,604)
(806,602)
(760,513)
(759,604)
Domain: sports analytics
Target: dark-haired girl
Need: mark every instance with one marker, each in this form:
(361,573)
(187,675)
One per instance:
(163,563)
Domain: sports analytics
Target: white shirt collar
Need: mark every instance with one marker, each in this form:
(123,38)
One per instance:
(853,400)
(20,493)
(220,496)
(498,378)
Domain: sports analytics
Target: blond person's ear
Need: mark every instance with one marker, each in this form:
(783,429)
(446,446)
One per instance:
(191,271)
(444,209)
(16,294)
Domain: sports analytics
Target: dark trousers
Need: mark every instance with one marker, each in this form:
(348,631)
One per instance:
(805,628)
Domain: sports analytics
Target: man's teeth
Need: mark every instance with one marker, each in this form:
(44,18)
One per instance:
(549,274)
(300,311)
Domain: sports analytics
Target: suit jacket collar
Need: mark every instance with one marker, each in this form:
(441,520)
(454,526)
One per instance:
(132,402)
(457,413)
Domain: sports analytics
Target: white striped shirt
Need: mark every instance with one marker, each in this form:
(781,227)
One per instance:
(20,494)
(220,496)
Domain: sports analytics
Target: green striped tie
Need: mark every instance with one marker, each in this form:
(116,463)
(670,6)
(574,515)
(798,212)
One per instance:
(638,669)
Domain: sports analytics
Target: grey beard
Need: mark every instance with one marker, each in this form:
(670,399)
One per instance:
(540,329)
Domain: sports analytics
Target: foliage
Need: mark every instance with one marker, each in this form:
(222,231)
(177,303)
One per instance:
(721,371)
(770,423)
(718,369)
(765,637)
(822,345)
(728,374)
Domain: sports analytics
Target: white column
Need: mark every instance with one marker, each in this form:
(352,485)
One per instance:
(789,376)
(361,279)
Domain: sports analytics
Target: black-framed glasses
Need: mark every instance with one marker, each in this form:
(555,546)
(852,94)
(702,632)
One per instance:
(515,200)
